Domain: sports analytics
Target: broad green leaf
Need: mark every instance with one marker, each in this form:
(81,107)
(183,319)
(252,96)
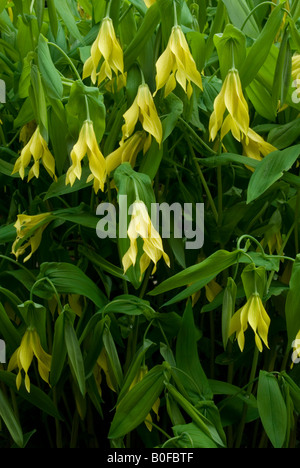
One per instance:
(190,436)
(10,420)
(292,306)
(231,48)
(270,170)
(238,13)
(116,373)
(259,51)
(130,305)
(137,403)
(104,264)
(197,417)
(74,352)
(143,35)
(36,397)
(187,358)
(8,331)
(211,266)
(38,101)
(66,15)
(134,368)
(272,408)
(59,350)
(69,279)
(84,101)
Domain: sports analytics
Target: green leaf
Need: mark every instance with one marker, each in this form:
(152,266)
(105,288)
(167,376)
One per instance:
(36,397)
(272,408)
(82,96)
(292,306)
(190,436)
(134,367)
(10,420)
(136,404)
(59,350)
(66,15)
(69,279)
(116,373)
(231,48)
(8,331)
(143,35)
(187,358)
(259,51)
(212,266)
(271,169)
(50,76)
(238,12)
(74,351)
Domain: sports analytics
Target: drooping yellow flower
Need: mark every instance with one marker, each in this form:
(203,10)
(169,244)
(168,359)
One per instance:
(144,110)
(296,350)
(254,314)
(87,145)
(256,147)
(296,67)
(29,229)
(141,225)
(177,64)
(231,98)
(127,152)
(22,358)
(106,46)
(38,149)
(149,3)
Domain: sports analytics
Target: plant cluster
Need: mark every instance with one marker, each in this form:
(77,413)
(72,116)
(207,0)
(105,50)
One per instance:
(136,340)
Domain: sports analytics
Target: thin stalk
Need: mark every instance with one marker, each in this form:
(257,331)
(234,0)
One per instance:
(241,427)
(204,183)
(201,142)
(67,58)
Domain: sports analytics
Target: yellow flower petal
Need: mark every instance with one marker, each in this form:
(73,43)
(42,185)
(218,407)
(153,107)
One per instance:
(177,63)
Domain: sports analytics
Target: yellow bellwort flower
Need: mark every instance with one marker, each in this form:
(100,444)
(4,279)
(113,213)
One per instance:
(149,3)
(296,67)
(38,149)
(87,145)
(296,350)
(256,147)
(29,229)
(127,152)
(254,314)
(106,46)
(141,226)
(23,356)
(231,98)
(143,109)
(177,64)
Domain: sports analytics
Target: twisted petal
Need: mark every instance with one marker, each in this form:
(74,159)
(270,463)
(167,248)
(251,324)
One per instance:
(177,63)
(44,359)
(148,113)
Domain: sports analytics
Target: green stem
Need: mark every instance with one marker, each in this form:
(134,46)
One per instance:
(52,286)
(256,8)
(248,393)
(19,265)
(67,58)
(201,142)
(220,196)
(175,14)
(203,181)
